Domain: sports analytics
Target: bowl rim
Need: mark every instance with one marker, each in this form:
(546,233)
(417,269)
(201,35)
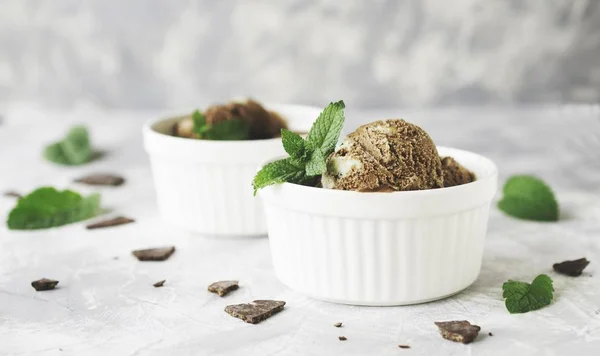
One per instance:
(315,201)
(492,174)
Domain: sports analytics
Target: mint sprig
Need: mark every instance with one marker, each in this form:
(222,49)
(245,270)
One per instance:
(529,198)
(308,157)
(523,297)
(47,207)
(231,130)
(72,150)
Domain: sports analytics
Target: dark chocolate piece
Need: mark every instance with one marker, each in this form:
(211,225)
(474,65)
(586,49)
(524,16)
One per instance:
(44,284)
(342,338)
(338,325)
(571,268)
(256,311)
(120,220)
(160,283)
(222,288)
(458,331)
(490,334)
(12,194)
(101,179)
(404,346)
(154,254)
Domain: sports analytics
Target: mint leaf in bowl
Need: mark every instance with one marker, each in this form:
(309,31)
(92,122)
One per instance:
(529,198)
(308,156)
(47,207)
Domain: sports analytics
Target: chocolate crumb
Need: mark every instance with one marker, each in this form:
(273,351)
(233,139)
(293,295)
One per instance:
(120,220)
(159,283)
(342,338)
(154,254)
(404,346)
(12,194)
(571,268)
(44,284)
(458,331)
(222,288)
(490,334)
(256,311)
(338,325)
(101,179)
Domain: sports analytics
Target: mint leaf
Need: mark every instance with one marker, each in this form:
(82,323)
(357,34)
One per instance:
(308,158)
(326,130)
(317,164)
(292,143)
(228,130)
(523,297)
(74,149)
(48,207)
(283,170)
(529,198)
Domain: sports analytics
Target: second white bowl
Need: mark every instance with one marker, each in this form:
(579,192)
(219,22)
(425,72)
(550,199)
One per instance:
(381,248)
(206,186)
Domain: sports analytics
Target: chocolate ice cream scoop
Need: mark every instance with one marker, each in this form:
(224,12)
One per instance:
(385,156)
(454,173)
(262,124)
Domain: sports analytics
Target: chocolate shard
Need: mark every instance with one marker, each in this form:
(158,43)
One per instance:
(120,220)
(338,325)
(404,346)
(154,254)
(44,284)
(458,331)
(159,283)
(342,338)
(490,334)
(256,311)
(571,268)
(101,179)
(12,194)
(222,288)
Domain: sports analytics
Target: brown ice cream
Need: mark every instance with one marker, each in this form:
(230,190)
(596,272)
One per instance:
(454,173)
(385,156)
(262,124)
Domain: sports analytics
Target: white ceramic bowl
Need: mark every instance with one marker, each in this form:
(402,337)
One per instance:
(381,248)
(205,186)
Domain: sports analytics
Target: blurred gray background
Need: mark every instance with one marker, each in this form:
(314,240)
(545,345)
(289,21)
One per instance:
(148,54)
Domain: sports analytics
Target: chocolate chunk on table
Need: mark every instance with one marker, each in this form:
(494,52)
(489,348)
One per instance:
(120,220)
(222,288)
(342,338)
(101,179)
(12,194)
(256,311)
(44,284)
(458,331)
(160,283)
(571,268)
(404,346)
(338,325)
(154,254)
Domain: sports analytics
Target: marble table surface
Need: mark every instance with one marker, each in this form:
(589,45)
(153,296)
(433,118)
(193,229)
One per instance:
(106,304)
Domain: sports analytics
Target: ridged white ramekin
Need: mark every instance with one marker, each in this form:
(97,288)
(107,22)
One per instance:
(206,186)
(381,248)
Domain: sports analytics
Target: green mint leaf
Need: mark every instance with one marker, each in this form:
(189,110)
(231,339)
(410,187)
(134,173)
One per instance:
(74,149)
(529,198)
(228,130)
(292,143)
(283,170)
(199,122)
(47,207)
(317,164)
(326,130)
(231,130)
(523,297)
